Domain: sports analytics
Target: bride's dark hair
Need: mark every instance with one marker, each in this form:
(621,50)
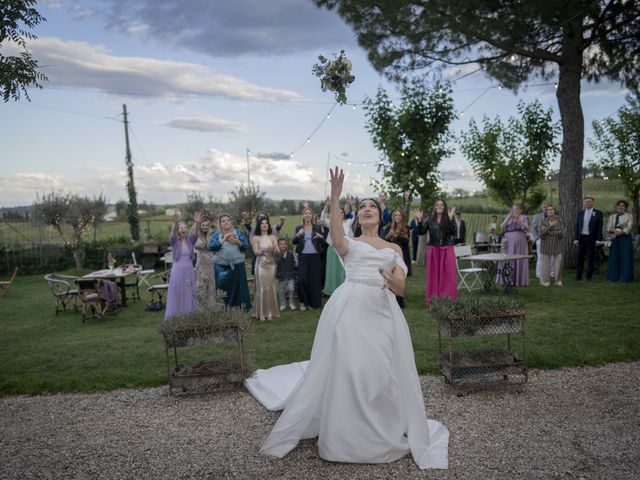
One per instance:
(357,229)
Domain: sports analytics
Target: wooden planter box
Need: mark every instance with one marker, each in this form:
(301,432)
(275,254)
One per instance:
(474,368)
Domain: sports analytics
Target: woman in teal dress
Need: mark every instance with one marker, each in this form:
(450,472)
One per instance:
(229,246)
(620,229)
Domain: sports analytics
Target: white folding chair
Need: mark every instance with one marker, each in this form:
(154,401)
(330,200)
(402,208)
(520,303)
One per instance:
(142,274)
(469,278)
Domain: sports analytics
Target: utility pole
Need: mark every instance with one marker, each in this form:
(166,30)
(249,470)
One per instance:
(132,206)
(248,174)
(326,175)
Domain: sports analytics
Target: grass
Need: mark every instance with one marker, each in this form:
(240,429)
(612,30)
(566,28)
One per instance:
(583,323)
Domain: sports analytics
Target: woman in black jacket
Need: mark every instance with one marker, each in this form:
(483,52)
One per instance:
(441,270)
(309,243)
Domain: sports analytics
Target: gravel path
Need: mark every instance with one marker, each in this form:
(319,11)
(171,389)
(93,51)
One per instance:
(569,423)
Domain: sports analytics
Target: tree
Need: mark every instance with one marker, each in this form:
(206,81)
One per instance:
(511,160)
(413,138)
(18,72)
(511,41)
(617,143)
(80,213)
(249,199)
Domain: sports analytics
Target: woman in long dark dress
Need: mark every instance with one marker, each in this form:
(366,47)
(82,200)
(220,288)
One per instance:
(398,233)
(229,246)
(620,228)
(309,242)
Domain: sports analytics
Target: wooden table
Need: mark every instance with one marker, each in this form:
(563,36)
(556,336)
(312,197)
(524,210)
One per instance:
(117,275)
(494,263)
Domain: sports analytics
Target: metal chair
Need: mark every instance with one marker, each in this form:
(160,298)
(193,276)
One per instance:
(468,278)
(5,286)
(62,290)
(89,295)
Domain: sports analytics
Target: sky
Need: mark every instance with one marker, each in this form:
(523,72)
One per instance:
(211,86)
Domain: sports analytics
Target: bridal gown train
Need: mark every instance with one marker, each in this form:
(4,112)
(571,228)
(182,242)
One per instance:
(360,393)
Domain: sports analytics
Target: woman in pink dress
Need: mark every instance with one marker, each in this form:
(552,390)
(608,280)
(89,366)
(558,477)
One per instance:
(515,227)
(441,271)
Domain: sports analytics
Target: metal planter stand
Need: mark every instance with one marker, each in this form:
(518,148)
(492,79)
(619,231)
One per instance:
(223,373)
(479,368)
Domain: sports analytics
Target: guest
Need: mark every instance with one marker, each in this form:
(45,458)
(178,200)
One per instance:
(493,229)
(205,269)
(551,233)
(413,227)
(324,231)
(334,270)
(285,274)
(398,233)
(620,228)
(440,266)
(308,240)
(229,246)
(181,297)
(515,242)
(459,230)
(588,232)
(534,234)
(255,231)
(244,224)
(264,246)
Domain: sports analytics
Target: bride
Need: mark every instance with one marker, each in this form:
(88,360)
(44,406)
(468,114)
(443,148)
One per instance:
(360,393)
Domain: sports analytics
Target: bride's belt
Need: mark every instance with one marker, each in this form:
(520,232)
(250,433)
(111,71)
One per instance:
(370,281)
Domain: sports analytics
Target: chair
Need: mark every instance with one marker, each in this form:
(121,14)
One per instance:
(63,292)
(89,295)
(159,290)
(469,278)
(481,242)
(5,286)
(167,258)
(143,273)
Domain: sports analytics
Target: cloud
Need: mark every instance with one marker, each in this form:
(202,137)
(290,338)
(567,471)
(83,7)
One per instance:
(232,28)
(79,64)
(273,155)
(215,172)
(206,124)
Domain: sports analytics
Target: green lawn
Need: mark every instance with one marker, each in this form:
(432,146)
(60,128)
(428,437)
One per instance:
(583,323)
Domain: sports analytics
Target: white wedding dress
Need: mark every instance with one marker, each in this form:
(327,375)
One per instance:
(360,393)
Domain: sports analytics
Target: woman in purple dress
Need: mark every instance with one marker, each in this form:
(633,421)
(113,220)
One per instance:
(182,282)
(514,242)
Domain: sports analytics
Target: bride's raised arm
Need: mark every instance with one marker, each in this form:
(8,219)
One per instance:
(335,226)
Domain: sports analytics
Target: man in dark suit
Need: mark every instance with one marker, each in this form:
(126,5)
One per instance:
(588,231)
(460,229)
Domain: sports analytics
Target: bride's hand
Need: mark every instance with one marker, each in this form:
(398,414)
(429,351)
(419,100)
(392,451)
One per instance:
(337,181)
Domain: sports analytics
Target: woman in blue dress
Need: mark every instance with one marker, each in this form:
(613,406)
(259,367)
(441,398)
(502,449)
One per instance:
(620,229)
(229,246)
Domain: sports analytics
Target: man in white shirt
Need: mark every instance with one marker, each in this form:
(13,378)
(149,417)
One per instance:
(588,231)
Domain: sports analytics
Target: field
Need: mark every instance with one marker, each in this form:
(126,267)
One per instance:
(583,323)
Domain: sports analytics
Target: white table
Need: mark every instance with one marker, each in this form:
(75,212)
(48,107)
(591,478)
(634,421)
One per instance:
(494,263)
